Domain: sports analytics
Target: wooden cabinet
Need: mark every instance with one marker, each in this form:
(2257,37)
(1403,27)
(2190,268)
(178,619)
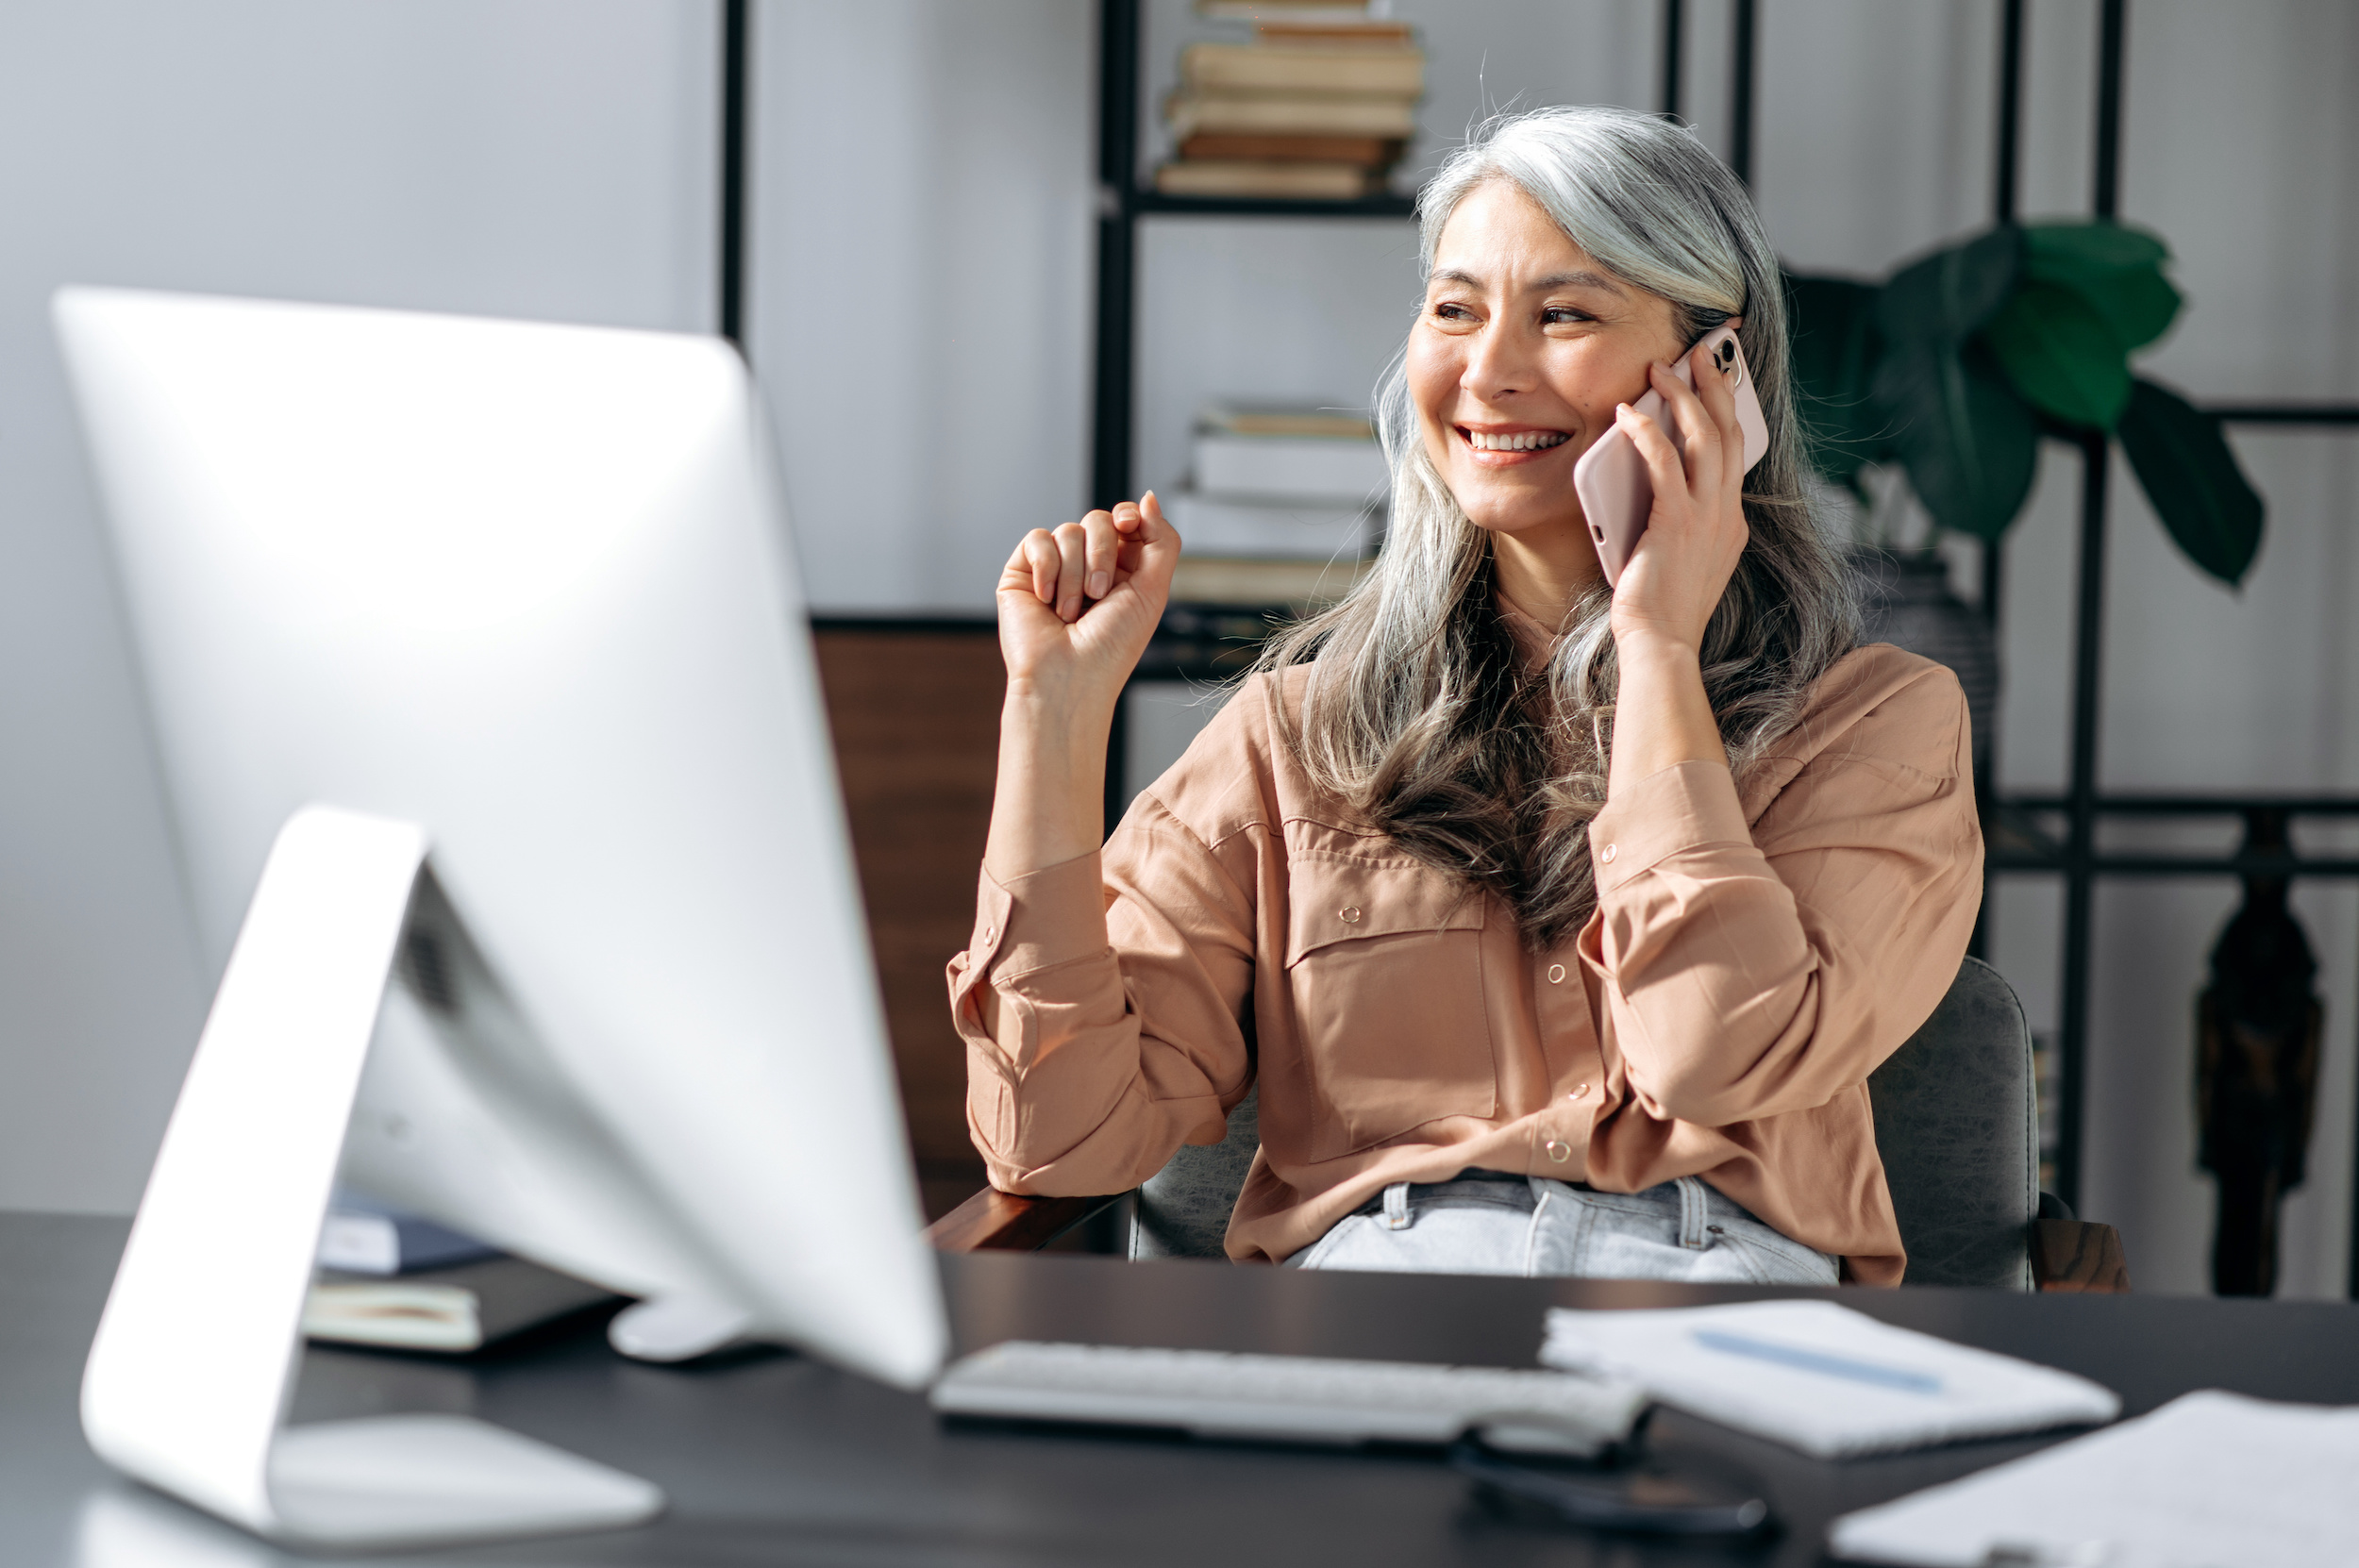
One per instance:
(915,711)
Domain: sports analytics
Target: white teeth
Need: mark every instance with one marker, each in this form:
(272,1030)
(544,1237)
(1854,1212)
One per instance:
(1527,441)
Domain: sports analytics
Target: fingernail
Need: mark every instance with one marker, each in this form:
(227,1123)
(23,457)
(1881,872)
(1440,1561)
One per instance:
(1099,582)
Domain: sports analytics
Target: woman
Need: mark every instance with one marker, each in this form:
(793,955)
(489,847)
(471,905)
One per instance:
(1560,926)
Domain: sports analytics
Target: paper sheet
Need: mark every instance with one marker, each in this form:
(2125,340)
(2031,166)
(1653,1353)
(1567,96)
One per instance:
(2210,1480)
(1824,1378)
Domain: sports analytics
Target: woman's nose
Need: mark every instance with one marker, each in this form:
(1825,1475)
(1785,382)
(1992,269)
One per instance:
(1498,362)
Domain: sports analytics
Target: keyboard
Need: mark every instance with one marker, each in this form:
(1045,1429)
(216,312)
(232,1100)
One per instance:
(1290,1398)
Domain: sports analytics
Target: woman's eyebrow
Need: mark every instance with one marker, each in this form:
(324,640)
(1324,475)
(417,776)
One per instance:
(1554,281)
(1577,280)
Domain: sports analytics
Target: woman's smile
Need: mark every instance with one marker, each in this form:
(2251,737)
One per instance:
(1509,446)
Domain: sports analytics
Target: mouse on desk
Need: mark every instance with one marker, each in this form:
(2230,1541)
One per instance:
(669,1329)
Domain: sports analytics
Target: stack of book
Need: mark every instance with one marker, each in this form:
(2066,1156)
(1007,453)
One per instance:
(1283,506)
(1318,106)
(400,1283)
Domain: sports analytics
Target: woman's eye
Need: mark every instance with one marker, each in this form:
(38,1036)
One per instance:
(1448,311)
(1559,314)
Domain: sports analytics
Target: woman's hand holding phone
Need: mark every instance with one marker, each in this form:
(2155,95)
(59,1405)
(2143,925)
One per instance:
(1077,606)
(1695,530)
(1673,580)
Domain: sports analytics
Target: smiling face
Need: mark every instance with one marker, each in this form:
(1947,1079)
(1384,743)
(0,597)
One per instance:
(1522,350)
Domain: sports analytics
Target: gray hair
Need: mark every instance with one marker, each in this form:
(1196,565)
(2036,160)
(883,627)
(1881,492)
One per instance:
(1418,712)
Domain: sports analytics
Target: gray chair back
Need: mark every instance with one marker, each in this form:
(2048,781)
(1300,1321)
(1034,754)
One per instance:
(1955,1122)
(1182,1209)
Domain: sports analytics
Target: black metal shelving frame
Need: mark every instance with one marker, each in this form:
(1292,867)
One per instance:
(2019,841)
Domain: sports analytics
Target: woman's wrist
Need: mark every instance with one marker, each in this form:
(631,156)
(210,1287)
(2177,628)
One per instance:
(1661,716)
(1057,705)
(1657,649)
(1049,803)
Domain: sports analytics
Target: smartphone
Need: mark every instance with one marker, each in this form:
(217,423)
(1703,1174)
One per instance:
(1610,477)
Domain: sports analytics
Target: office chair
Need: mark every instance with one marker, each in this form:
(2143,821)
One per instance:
(1956,1122)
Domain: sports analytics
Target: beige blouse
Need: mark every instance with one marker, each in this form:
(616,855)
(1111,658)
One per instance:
(1754,955)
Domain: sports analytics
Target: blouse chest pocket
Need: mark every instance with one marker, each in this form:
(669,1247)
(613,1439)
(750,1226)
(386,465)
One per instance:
(1384,966)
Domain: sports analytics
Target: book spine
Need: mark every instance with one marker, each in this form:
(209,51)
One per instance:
(1368,152)
(1318,181)
(1228,67)
(1189,113)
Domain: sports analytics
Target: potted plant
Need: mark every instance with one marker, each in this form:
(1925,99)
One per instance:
(1954,368)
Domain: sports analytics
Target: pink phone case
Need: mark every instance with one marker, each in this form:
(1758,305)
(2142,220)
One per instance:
(1610,477)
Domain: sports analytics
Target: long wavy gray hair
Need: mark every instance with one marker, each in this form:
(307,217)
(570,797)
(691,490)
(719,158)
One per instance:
(1418,711)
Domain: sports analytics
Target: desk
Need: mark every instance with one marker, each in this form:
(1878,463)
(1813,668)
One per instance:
(774,1459)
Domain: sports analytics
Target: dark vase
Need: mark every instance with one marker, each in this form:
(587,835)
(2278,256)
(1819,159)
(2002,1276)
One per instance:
(1905,600)
(2257,1031)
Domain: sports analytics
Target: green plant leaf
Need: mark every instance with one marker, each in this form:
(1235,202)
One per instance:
(1945,297)
(2094,243)
(1969,440)
(2115,271)
(2184,464)
(1834,349)
(2061,354)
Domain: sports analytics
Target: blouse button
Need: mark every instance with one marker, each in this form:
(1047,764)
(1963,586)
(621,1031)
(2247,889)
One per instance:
(1611,850)
(1350,914)
(1579,1089)
(1557,1151)
(1556,974)
(991,933)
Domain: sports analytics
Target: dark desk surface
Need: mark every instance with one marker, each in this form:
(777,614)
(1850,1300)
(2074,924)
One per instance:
(777,1459)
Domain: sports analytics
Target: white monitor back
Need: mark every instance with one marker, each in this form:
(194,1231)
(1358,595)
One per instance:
(529,587)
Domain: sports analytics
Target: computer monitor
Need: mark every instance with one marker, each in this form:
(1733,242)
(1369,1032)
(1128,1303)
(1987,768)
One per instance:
(475,652)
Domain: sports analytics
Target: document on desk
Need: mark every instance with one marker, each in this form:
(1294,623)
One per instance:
(1820,1377)
(2210,1480)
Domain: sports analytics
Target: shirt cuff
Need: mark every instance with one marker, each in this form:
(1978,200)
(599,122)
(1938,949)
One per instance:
(1685,806)
(1043,918)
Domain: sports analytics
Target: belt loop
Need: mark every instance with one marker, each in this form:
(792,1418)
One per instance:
(1397,1207)
(1692,1212)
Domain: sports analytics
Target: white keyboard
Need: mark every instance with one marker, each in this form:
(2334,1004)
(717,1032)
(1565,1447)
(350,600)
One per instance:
(1290,1398)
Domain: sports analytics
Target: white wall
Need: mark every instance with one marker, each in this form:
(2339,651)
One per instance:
(529,157)
(920,307)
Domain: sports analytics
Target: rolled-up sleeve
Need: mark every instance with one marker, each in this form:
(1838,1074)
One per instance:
(1121,982)
(1746,970)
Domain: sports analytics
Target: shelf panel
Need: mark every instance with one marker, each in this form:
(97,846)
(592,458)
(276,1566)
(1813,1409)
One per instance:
(2322,414)
(1155,204)
(2193,805)
(2182,865)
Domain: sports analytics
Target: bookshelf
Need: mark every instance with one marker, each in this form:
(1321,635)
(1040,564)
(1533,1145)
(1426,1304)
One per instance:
(1121,202)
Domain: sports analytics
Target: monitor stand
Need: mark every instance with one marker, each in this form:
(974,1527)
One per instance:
(189,1379)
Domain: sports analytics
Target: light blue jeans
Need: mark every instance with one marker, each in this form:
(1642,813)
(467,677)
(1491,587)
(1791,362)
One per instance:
(1488,1223)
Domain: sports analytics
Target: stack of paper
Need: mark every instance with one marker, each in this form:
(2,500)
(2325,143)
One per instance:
(2210,1480)
(1820,1378)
